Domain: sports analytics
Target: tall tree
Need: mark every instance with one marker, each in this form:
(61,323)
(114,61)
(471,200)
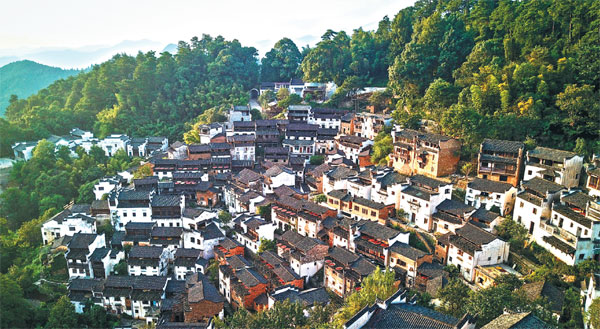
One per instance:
(281,62)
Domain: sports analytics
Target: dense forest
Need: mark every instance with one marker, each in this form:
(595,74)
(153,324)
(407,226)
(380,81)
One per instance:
(519,70)
(486,68)
(24,78)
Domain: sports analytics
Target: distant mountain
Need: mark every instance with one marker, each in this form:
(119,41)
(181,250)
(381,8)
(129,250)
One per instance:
(171,48)
(81,57)
(25,78)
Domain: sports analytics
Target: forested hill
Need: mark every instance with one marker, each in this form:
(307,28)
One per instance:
(24,78)
(494,68)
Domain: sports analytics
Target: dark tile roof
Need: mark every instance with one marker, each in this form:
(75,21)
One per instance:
(82,240)
(249,277)
(341,172)
(237,262)
(307,297)
(550,154)
(417,192)
(99,254)
(368,203)
(542,186)
(78,284)
(496,145)
(377,230)
(539,289)
(152,252)
(431,270)
(352,139)
(455,207)
(187,253)
(285,273)
(139,225)
(212,231)
(485,216)
(409,316)
(229,243)
(470,238)
(391,178)
(100,205)
(168,232)
(577,199)
(572,215)
(489,186)
(407,251)
(340,195)
(130,195)
(271,258)
(246,176)
(445,217)
(536,200)
(362,266)
(559,244)
(524,320)
(427,181)
(166,200)
(200,288)
(429,137)
(342,255)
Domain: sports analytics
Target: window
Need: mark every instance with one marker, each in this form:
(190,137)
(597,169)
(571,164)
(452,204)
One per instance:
(356,208)
(124,214)
(489,258)
(521,204)
(446,226)
(100,188)
(193,239)
(71,228)
(529,172)
(373,213)
(581,256)
(503,178)
(534,211)
(144,214)
(133,214)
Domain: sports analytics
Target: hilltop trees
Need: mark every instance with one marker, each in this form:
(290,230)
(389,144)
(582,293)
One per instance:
(281,63)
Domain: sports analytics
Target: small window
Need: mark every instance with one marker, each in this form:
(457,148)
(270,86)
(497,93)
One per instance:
(529,172)
(521,204)
(534,211)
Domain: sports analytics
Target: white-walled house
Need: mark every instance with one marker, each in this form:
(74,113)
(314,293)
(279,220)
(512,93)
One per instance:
(336,178)
(561,167)
(64,224)
(472,246)
(252,230)
(137,296)
(592,292)
(534,201)
(420,199)
(83,290)
(131,205)
(80,249)
(277,176)
(148,261)
(184,262)
(483,193)
(106,185)
(111,144)
(103,260)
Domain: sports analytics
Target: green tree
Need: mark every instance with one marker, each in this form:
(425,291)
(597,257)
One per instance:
(266,244)
(265,98)
(316,160)
(282,94)
(454,297)
(382,147)
(224,217)
(320,198)
(265,212)
(281,62)
(593,313)
(62,314)
(15,311)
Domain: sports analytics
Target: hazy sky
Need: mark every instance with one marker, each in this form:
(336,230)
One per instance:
(32,24)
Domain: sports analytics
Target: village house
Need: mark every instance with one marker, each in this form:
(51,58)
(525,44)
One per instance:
(336,179)
(571,231)
(137,296)
(533,291)
(238,113)
(398,312)
(202,300)
(501,161)
(369,125)
(198,151)
(185,261)
(252,230)
(277,155)
(534,202)
(590,291)
(111,144)
(241,285)
(177,150)
(308,298)
(325,140)
(137,233)
(82,291)
(226,248)
(516,321)
(298,113)
(167,209)
(359,208)
(491,195)
(242,147)
(314,177)
(326,117)
(419,200)
(407,258)
(300,139)
(352,146)
(300,215)
(486,276)
(373,240)
(67,223)
(103,260)
(387,186)
(277,271)
(304,254)
(23,150)
(561,167)
(80,249)
(148,261)
(107,185)
(208,131)
(277,176)
(346,124)
(131,205)
(205,237)
(424,153)
(450,215)
(170,238)
(471,246)
(345,270)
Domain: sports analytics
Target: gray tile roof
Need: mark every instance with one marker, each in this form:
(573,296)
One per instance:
(368,203)
(341,172)
(151,252)
(572,215)
(550,154)
(417,193)
(577,199)
(539,289)
(409,316)
(166,200)
(407,251)
(524,320)
(200,289)
(541,186)
(82,240)
(377,230)
(429,182)
(250,277)
(496,145)
(489,186)
(454,207)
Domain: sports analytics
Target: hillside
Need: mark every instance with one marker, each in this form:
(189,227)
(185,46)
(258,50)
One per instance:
(25,78)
